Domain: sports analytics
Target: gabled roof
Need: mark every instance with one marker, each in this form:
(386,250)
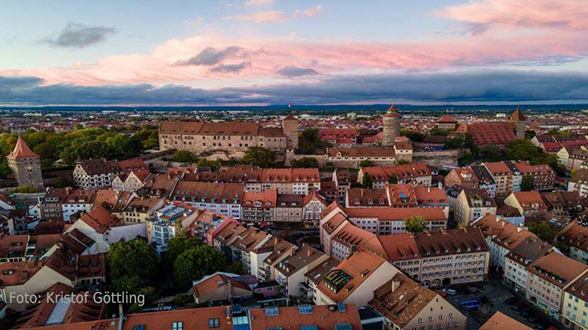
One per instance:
(401,299)
(499,321)
(22,150)
(517,115)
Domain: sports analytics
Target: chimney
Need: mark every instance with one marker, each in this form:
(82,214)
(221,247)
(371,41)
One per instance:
(429,189)
(309,252)
(395,285)
(292,250)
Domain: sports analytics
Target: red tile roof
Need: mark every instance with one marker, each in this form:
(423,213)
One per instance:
(22,150)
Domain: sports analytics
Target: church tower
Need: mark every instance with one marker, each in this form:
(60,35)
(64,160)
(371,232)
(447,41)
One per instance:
(391,123)
(26,165)
(520,122)
(290,127)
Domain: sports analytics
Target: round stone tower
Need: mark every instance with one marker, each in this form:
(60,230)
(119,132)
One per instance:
(290,128)
(391,122)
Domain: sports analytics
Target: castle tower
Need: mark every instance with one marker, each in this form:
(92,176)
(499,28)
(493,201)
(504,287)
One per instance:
(518,119)
(290,127)
(26,165)
(391,122)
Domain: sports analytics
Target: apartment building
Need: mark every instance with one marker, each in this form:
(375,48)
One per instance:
(408,305)
(501,237)
(527,202)
(574,312)
(543,175)
(289,272)
(471,204)
(259,207)
(504,178)
(220,198)
(519,259)
(415,174)
(289,208)
(300,181)
(549,277)
(579,183)
(575,237)
(354,280)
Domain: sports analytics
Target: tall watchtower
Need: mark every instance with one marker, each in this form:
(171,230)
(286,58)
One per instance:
(290,127)
(26,165)
(391,122)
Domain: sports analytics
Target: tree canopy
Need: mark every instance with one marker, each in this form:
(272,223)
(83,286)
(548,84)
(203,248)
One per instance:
(305,162)
(309,142)
(543,230)
(259,156)
(197,262)
(132,265)
(183,156)
(415,224)
(527,184)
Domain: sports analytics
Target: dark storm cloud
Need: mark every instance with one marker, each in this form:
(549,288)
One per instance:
(76,35)
(211,56)
(231,68)
(296,71)
(479,86)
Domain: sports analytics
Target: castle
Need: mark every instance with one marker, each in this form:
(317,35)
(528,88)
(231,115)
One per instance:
(233,137)
(26,165)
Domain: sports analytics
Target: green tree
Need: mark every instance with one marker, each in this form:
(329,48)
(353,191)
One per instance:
(25,190)
(402,162)
(305,162)
(203,162)
(366,163)
(64,181)
(309,142)
(177,245)
(259,156)
(415,136)
(197,262)
(366,181)
(132,265)
(47,152)
(183,156)
(393,179)
(527,184)
(543,230)
(439,132)
(522,150)
(491,153)
(415,224)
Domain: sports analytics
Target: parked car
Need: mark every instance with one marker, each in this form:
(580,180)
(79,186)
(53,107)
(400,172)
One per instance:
(525,312)
(450,291)
(533,318)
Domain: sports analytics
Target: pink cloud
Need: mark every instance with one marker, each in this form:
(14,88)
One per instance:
(258,2)
(522,13)
(510,40)
(262,17)
(310,12)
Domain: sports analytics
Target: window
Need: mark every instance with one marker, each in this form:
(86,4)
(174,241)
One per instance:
(213,323)
(178,325)
(139,327)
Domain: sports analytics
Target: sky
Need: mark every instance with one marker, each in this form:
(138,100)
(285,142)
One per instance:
(258,52)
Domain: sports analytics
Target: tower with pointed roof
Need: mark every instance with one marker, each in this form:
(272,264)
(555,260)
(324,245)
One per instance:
(290,128)
(26,165)
(391,122)
(520,122)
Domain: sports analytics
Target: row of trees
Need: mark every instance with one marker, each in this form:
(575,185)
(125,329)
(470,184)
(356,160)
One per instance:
(82,143)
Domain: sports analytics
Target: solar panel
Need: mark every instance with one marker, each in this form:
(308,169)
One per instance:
(343,326)
(272,311)
(305,309)
(309,327)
